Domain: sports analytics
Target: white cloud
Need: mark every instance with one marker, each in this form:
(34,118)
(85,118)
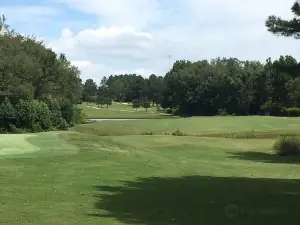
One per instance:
(143,72)
(247,10)
(92,71)
(138,35)
(28,13)
(137,13)
(81,64)
(97,71)
(112,42)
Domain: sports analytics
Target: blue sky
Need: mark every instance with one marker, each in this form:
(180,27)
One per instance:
(104,37)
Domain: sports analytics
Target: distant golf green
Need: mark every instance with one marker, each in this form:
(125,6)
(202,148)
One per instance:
(119,110)
(82,177)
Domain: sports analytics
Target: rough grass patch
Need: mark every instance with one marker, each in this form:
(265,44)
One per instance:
(252,135)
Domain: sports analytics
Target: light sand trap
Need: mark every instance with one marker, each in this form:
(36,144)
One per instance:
(12,144)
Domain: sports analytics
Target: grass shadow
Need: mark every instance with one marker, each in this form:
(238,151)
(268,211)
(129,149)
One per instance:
(265,157)
(201,200)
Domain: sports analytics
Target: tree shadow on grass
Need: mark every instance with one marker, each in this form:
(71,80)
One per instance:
(201,200)
(266,157)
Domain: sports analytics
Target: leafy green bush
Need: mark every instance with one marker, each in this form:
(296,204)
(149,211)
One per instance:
(158,108)
(46,115)
(286,146)
(283,112)
(72,115)
(43,115)
(108,101)
(222,112)
(100,100)
(79,116)
(7,113)
(36,127)
(147,133)
(67,112)
(169,111)
(136,103)
(3,131)
(27,113)
(55,110)
(176,110)
(146,104)
(24,113)
(178,133)
(63,125)
(12,129)
(93,98)
(273,109)
(34,115)
(293,112)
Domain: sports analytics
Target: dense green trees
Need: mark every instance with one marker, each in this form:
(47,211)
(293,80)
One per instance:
(89,90)
(146,104)
(233,86)
(38,89)
(136,103)
(124,88)
(131,86)
(289,28)
(220,86)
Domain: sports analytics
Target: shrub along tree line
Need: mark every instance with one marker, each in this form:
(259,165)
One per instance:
(38,89)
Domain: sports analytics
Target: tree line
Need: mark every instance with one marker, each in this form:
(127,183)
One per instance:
(230,86)
(216,87)
(39,89)
(125,88)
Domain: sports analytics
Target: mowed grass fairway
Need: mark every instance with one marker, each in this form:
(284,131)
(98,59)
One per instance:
(196,126)
(105,173)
